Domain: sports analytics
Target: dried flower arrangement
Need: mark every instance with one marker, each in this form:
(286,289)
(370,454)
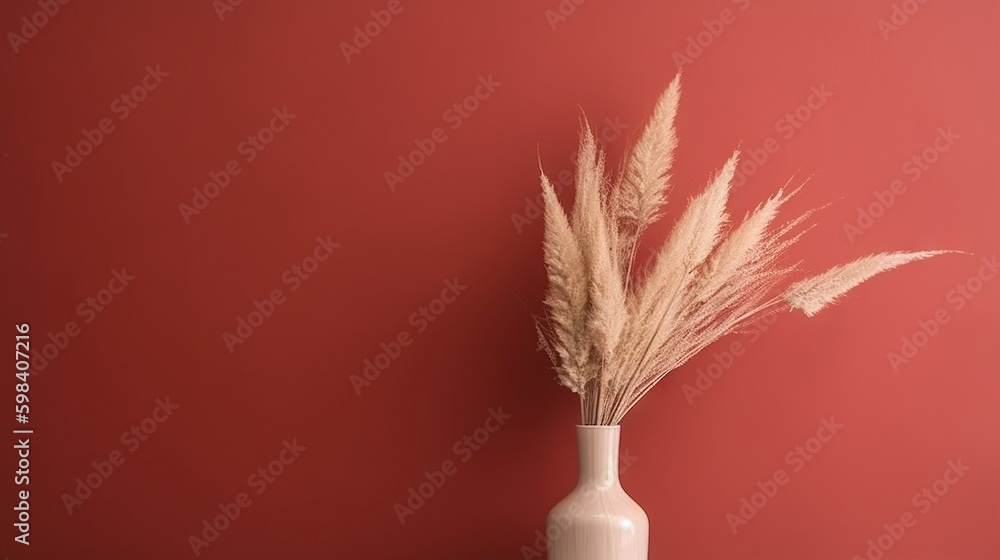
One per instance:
(613,332)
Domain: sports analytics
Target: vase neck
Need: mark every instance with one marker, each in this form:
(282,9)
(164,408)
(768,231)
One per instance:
(598,452)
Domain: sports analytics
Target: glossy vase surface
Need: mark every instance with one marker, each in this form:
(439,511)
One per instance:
(598,520)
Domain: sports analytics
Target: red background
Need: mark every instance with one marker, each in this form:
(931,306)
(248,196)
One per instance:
(454,218)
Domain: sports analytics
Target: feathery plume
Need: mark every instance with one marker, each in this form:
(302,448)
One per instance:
(612,342)
(646,179)
(566,298)
(814,293)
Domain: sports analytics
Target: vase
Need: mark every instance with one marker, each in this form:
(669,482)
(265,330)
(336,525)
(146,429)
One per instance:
(598,520)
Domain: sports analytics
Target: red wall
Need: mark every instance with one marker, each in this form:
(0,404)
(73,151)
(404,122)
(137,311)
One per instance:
(313,193)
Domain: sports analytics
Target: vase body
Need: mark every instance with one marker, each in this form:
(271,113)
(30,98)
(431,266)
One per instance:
(598,520)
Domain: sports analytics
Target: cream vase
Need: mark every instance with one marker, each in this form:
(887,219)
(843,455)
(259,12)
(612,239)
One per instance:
(598,520)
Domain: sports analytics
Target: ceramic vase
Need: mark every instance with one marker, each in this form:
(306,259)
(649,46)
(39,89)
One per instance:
(598,520)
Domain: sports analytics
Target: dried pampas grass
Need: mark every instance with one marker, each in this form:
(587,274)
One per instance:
(612,333)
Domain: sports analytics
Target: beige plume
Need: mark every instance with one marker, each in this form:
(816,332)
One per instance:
(611,339)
